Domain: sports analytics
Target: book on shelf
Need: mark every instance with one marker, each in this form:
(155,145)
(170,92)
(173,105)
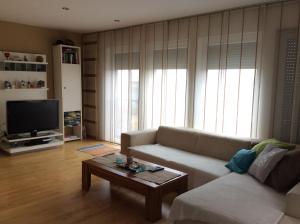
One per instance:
(70,56)
(72,118)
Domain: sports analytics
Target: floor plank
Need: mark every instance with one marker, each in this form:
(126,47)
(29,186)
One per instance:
(45,187)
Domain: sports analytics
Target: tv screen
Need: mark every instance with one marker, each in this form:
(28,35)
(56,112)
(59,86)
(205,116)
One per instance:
(32,116)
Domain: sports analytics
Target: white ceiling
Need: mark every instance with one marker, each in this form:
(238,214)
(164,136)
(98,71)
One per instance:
(95,15)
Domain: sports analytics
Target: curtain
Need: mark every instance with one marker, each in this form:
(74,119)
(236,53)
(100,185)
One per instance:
(225,78)
(234,73)
(143,77)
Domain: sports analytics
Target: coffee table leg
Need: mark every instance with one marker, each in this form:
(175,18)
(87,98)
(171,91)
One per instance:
(182,186)
(86,177)
(153,206)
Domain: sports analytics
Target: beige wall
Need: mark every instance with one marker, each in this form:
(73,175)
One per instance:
(22,38)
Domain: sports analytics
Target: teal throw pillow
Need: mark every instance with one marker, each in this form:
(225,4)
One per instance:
(241,161)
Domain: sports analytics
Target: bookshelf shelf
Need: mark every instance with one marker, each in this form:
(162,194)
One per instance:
(26,62)
(22,62)
(25,89)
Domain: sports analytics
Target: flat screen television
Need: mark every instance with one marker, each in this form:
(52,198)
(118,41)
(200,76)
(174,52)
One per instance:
(32,116)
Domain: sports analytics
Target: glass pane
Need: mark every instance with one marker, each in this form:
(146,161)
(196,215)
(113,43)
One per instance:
(1,66)
(31,67)
(9,66)
(20,67)
(40,68)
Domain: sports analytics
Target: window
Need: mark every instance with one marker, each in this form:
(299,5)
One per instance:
(126,101)
(226,99)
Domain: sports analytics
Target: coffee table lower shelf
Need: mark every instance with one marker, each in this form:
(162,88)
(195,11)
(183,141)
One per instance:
(153,192)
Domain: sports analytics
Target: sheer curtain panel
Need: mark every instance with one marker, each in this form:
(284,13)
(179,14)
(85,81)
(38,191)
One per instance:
(234,72)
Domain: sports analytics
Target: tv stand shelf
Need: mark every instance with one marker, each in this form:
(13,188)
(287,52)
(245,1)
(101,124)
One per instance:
(27,137)
(19,144)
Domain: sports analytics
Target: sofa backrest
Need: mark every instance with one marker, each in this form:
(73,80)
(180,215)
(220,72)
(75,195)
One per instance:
(202,143)
(180,138)
(220,147)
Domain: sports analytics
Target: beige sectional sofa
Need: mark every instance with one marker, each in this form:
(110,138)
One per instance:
(216,195)
(202,156)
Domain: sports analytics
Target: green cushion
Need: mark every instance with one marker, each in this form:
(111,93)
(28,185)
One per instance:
(276,143)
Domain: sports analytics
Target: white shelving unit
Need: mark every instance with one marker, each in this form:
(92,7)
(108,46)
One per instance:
(15,69)
(26,71)
(67,78)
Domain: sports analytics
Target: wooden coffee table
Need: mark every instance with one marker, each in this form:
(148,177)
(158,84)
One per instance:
(152,191)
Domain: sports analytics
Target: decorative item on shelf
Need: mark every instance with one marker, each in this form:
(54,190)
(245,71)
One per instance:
(69,42)
(7,85)
(65,42)
(58,42)
(30,85)
(7,54)
(39,59)
(25,58)
(16,84)
(13,85)
(23,84)
(40,84)
(15,58)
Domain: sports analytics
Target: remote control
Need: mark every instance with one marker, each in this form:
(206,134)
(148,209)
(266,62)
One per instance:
(155,169)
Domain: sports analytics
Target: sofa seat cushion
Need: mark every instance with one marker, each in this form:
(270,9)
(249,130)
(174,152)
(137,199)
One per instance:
(232,199)
(201,169)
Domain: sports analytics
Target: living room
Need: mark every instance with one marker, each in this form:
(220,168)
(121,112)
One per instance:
(135,111)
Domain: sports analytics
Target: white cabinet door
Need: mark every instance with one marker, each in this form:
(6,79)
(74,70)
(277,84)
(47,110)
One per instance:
(71,84)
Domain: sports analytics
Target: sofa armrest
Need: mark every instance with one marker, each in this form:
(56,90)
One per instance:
(135,138)
(293,202)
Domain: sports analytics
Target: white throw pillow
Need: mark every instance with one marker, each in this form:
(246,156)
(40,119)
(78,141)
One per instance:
(266,162)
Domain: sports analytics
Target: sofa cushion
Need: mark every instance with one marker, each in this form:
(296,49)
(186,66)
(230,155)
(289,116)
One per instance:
(180,138)
(276,143)
(232,199)
(286,174)
(241,161)
(293,202)
(288,220)
(201,169)
(265,162)
(220,147)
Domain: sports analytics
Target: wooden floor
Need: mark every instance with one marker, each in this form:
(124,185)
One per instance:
(45,187)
